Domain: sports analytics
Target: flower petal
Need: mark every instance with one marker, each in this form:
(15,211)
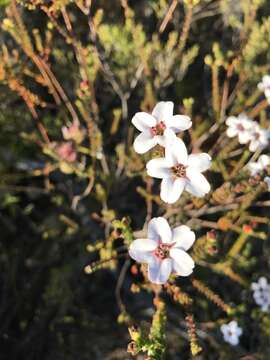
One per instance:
(197,184)
(141,256)
(141,250)
(231,132)
(176,152)
(254,168)
(159,271)
(183,237)
(168,136)
(233,340)
(232,121)
(143,245)
(158,168)
(254,145)
(143,121)
(178,123)
(266,80)
(267,181)
(163,110)
(263,282)
(171,189)
(200,162)
(224,328)
(161,140)
(144,142)
(239,331)
(244,137)
(264,161)
(183,263)
(159,229)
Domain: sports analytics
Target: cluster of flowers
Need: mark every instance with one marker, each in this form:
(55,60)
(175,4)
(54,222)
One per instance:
(164,250)
(261,294)
(248,131)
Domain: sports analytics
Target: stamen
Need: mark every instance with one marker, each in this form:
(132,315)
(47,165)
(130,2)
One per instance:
(179,170)
(158,129)
(163,251)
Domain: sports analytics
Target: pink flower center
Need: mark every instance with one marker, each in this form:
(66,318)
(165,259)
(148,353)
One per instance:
(158,129)
(179,170)
(240,127)
(163,251)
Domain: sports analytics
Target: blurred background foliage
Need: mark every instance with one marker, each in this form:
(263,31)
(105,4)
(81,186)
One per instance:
(94,64)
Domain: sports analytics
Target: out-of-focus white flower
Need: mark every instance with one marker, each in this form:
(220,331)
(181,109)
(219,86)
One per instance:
(259,138)
(240,126)
(259,166)
(261,293)
(267,180)
(153,126)
(164,250)
(247,130)
(264,85)
(231,332)
(179,171)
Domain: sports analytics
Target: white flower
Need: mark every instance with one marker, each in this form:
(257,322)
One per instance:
(153,126)
(179,171)
(264,85)
(261,293)
(164,250)
(267,180)
(259,138)
(259,166)
(231,332)
(247,130)
(240,126)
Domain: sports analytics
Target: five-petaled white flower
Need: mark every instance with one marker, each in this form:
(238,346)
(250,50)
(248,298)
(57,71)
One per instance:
(240,126)
(261,293)
(231,332)
(259,138)
(267,181)
(179,171)
(164,250)
(154,126)
(259,166)
(264,85)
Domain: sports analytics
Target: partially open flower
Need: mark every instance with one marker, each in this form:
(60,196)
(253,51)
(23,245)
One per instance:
(180,172)
(153,126)
(164,250)
(259,166)
(231,332)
